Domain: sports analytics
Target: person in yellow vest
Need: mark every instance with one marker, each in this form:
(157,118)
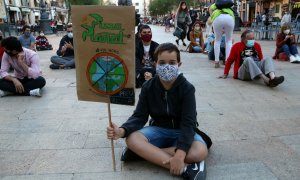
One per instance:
(222,19)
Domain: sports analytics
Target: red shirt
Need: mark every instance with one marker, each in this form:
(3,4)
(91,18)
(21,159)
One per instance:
(235,57)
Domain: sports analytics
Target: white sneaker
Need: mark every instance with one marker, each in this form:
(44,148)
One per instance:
(35,92)
(297,57)
(293,59)
(4,93)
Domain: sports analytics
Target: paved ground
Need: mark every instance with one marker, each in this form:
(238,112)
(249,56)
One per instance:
(255,129)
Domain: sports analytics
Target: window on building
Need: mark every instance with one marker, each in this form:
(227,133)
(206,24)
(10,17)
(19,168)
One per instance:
(136,4)
(11,2)
(277,7)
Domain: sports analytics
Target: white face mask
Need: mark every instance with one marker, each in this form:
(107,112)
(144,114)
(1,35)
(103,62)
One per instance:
(70,35)
(287,31)
(197,28)
(167,72)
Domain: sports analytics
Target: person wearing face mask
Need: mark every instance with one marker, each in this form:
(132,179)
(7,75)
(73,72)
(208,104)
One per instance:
(285,43)
(65,52)
(249,63)
(144,63)
(196,38)
(182,20)
(172,139)
(42,42)
(27,39)
(27,79)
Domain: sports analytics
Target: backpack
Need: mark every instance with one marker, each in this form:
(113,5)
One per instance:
(220,4)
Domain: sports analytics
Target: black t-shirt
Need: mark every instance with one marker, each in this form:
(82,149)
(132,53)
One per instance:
(249,52)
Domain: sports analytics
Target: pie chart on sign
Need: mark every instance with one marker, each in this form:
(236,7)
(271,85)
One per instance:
(107,73)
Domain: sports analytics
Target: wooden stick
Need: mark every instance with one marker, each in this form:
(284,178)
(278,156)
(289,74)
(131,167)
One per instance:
(112,141)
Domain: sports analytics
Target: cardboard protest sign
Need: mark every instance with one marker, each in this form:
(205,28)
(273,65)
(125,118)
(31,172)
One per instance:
(104,53)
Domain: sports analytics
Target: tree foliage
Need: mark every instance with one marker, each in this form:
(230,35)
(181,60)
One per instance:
(162,7)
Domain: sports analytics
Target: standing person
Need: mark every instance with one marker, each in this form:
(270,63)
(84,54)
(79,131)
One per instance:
(27,79)
(223,19)
(196,38)
(286,18)
(65,52)
(193,15)
(27,39)
(249,63)
(258,18)
(264,18)
(144,56)
(182,20)
(172,140)
(285,42)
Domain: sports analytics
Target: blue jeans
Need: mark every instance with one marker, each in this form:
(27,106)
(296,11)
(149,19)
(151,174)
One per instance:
(288,50)
(164,138)
(197,49)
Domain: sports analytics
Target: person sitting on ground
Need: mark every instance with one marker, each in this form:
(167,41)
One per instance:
(249,63)
(210,47)
(1,48)
(27,39)
(137,34)
(144,63)
(172,139)
(285,42)
(65,52)
(196,38)
(42,42)
(27,79)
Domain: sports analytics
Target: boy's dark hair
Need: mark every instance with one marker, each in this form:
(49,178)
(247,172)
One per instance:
(25,27)
(145,26)
(12,43)
(166,47)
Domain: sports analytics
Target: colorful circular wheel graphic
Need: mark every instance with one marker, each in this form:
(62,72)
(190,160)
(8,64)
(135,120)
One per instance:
(107,73)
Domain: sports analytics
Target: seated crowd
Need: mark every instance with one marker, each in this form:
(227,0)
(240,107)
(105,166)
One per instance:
(177,144)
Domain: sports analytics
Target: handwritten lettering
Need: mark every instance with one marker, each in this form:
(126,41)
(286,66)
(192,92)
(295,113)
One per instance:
(103,37)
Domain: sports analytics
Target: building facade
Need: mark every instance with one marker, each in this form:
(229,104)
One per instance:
(20,12)
(275,8)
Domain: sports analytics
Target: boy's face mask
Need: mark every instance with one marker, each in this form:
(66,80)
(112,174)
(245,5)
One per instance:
(167,72)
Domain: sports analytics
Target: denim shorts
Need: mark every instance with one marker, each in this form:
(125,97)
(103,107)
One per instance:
(164,138)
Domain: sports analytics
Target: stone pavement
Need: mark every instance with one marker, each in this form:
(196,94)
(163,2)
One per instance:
(255,129)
